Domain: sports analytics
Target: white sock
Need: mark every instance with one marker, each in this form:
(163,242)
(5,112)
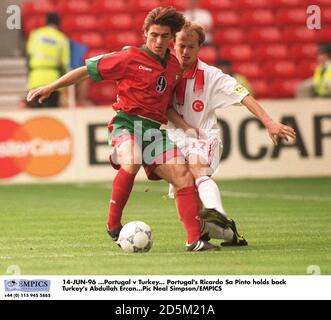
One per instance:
(216,232)
(209,194)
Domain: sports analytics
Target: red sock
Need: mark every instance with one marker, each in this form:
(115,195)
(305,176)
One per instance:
(122,187)
(188,208)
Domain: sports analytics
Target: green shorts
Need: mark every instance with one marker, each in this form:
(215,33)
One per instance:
(154,143)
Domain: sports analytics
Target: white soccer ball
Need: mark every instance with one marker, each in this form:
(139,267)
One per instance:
(136,236)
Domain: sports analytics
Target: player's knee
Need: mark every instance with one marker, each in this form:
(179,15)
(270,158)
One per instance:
(195,171)
(199,171)
(129,159)
(131,168)
(182,177)
(128,153)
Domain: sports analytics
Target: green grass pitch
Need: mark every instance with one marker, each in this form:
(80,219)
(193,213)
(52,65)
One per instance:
(60,230)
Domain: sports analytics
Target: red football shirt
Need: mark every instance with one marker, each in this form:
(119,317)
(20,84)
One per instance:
(145,83)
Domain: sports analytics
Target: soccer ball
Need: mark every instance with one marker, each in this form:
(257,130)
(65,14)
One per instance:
(136,236)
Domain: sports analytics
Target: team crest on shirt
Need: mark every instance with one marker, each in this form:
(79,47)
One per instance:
(161,84)
(198,106)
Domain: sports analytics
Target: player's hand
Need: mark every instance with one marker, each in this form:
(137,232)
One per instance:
(279,130)
(196,133)
(41,92)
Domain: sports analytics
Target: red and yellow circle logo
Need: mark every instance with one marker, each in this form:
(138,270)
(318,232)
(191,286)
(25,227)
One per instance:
(41,147)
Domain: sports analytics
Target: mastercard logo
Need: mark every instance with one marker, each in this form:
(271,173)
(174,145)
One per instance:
(41,147)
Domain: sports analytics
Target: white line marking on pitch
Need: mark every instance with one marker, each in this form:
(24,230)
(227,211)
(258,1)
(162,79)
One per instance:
(233,194)
(298,197)
(110,254)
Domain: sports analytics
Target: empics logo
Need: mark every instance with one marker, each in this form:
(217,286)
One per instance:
(41,147)
(28,285)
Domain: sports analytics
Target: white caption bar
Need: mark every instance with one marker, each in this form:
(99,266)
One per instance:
(164,287)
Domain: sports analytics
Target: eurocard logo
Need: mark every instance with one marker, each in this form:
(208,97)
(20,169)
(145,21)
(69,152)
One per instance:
(40,147)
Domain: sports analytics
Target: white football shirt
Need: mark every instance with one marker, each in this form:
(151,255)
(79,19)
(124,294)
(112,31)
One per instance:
(203,89)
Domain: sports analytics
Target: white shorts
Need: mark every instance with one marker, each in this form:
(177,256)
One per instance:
(208,149)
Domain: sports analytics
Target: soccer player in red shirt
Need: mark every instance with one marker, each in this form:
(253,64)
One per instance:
(146,78)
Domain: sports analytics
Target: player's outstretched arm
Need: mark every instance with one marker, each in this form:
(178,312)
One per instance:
(276,130)
(68,79)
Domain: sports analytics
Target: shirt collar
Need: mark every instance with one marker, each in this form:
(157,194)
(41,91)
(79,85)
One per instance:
(191,73)
(162,61)
(199,82)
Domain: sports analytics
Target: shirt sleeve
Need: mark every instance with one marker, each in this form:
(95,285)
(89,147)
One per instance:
(227,91)
(111,66)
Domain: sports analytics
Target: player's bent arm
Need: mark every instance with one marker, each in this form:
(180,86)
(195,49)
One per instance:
(276,130)
(68,79)
(177,120)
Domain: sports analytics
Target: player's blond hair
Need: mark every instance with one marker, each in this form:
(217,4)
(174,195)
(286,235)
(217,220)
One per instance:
(190,27)
(168,16)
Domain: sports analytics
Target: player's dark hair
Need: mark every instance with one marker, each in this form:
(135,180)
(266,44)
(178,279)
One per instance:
(53,18)
(168,16)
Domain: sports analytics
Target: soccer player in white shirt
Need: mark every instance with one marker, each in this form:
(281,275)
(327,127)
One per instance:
(202,90)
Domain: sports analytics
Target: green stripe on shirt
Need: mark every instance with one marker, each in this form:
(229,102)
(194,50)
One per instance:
(92,69)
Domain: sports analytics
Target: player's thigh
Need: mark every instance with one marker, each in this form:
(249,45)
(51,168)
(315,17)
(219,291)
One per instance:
(205,158)
(178,174)
(129,154)
(199,166)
